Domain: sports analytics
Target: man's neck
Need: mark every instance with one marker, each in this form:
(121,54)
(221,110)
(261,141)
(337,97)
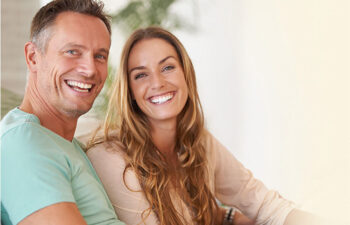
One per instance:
(49,117)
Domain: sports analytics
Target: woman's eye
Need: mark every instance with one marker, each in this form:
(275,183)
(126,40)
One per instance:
(167,68)
(140,75)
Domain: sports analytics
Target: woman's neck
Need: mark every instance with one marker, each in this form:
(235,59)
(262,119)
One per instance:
(164,138)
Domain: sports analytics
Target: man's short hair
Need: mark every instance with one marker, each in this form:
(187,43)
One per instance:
(46,16)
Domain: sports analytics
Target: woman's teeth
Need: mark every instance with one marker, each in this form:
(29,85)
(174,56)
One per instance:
(161,99)
(79,86)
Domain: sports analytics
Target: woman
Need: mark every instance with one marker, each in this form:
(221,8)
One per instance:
(157,162)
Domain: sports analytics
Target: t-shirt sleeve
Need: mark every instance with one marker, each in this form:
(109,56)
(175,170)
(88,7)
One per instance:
(123,189)
(236,186)
(34,172)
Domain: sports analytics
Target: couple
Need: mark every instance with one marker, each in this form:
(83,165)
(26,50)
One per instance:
(155,162)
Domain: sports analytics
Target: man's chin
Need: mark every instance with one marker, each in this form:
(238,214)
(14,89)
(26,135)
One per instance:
(76,112)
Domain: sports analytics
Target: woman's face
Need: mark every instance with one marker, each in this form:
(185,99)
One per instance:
(157,80)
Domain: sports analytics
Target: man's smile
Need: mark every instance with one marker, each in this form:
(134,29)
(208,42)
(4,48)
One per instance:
(79,86)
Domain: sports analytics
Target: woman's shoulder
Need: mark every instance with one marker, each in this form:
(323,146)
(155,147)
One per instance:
(107,150)
(209,142)
(215,150)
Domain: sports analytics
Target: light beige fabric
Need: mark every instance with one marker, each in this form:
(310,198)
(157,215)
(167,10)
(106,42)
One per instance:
(231,182)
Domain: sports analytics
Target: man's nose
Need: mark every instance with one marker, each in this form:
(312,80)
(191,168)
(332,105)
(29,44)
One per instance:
(87,66)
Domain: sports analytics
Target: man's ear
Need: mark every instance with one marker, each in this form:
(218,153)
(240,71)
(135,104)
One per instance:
(31,55)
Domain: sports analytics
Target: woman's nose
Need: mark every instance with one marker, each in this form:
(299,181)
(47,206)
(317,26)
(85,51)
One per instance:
(158,81)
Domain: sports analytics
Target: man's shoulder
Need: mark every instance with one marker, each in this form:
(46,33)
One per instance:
(23,136)
(20,120)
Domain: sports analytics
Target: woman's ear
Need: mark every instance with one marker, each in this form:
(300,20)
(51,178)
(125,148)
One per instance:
(31,52)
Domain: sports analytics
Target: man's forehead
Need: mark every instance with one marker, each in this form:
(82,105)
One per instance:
(77,28)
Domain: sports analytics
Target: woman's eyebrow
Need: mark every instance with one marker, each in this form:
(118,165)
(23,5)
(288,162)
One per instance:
(143,67)
(166,58)
(137,68)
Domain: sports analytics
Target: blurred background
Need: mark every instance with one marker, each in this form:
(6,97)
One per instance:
(273,76)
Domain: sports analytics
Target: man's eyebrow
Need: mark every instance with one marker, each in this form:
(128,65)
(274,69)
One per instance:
(73,45)
(106,51)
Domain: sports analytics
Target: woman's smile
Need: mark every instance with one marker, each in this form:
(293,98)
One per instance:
(162,98)
(157,80)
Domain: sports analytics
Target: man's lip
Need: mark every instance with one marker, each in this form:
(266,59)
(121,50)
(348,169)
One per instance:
(93,85)
(80,81)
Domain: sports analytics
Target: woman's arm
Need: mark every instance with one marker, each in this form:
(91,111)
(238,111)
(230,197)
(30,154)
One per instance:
(235,185)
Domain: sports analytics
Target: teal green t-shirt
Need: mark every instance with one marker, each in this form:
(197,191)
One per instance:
(40,168)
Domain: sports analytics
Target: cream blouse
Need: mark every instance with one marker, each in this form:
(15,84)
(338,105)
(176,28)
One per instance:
(232,183)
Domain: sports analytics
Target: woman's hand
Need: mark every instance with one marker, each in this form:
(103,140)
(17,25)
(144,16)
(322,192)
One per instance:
(238,219)
(221,216)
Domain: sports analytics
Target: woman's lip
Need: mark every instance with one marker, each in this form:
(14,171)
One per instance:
(162,98)
(163,94)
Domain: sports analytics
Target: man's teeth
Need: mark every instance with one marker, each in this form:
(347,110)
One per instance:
(78,86)
(80,90)
(162,99)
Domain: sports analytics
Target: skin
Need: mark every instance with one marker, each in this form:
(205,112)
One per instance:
(76,50)
(154,69)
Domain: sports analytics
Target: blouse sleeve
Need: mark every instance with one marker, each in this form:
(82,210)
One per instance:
(124,192)
(235,186)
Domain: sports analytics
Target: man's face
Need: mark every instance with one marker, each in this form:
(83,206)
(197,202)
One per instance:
(72,68)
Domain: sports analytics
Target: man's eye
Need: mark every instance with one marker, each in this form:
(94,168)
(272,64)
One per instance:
(72,52)
(100,57)
(140,75)
(167,68)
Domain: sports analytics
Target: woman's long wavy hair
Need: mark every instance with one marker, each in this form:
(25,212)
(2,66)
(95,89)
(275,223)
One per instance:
(145,159)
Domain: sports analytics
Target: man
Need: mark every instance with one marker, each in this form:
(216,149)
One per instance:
(46,177)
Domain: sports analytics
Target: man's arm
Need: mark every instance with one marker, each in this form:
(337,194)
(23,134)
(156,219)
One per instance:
(64,213)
